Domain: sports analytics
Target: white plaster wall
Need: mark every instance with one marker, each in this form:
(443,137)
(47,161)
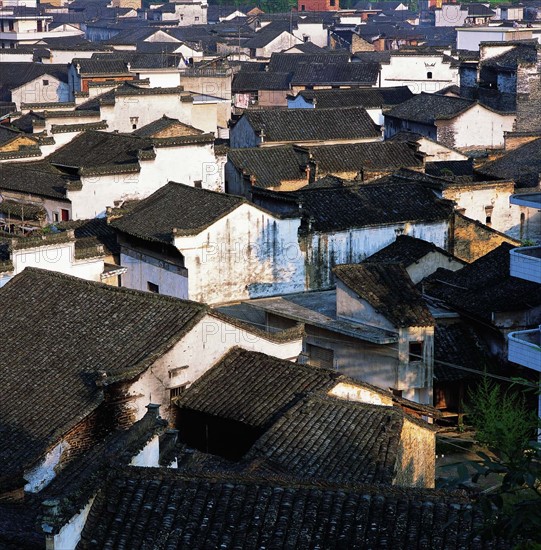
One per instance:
(59,258)
(201,348)
(70,534)
(412,71)
(149,456)
(63,57)
(246,254)
(243,135)
(351,392)
(430,263)
(480,127)
(37,92)
(280,43)
(436,152)
(315,31)
(324,251)
(475,199)
(167,78)
(143,269)
(44,472)
(450,15)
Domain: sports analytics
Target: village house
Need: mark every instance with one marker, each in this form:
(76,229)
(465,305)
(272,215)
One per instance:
(63,50)
(288,240)
(268,128)
(421,70)
(150,348)
(274,37)
(488,297)
(33,82)
(374,100)
(459,123)
(290,167)
(16,144)
(97,169)
(82,71)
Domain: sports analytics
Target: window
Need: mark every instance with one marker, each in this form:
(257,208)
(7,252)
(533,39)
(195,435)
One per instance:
(303,7)
(56,217)
(198,184)
(177,392)
(45,82)
(522,220)
(320,357)
(196,18)
(488,214)
(134,126)
(65,214)
(429,75)
(415,352)
(152,287)
(333,3)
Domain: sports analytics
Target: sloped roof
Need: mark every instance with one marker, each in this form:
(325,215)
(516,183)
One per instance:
(389,290)
(198,511)
(523,165)
(369,204)
(152,128)
(269,165)
(94,151)
(484,287)
(289,62)
(267,34)
(406,251)
(59,332)
(427,108)
(369,98)
(336,73)
(313,124)
(260,388)
(15,74)
(103,66)
(248,81)
(333,440)
(35,178)
(176,209)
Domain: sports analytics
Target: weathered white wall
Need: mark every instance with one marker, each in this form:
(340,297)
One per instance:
(36,91)
(165,78)
(412,71)
(282,42)
(430,263)
(436,152)
(44,472)
(201,348)
(70,534)
(316,33)
(149,456)
(325,250)
(246,254)
(142,269)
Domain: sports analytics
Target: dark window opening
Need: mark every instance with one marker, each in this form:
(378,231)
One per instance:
(198,184)
(151,287)
(320,357)
(303,7)
(45,82)
(429,75)
(488,220)
(522,220)
(415,351)
(134,126)
(177,392)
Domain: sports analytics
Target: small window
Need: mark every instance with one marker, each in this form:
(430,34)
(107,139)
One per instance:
(177,392)
(320,357)
(488,214)
(45,82)
(56,217)
(415,352)
(134,126)
(151,287)
(198,184)
(197,18)
(333,3)
(303,7)
(429,75)
(488,220)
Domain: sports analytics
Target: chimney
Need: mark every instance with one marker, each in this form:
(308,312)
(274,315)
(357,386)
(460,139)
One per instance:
(49,519)
(101,378)
(153,409)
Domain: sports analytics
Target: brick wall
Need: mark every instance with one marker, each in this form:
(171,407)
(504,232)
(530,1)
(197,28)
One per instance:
(473,239)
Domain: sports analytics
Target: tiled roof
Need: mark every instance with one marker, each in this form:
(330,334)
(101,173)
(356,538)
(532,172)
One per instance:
(93,151)
(336,73)
(457,344)
(377,155)
(451,168)
(333,440)
(96,229)
(22,210)
(484,287)
(248,81)
(267,34)
(406,251)
(141,60)
(290,62)
(176,209)
(427,108)
(313,124)
(106,66)
(163,123)
(370,204)
(523,165)
(260,388)
(369,98)
(171,509)
(35,178)
(18,73)
(269,165)
(520,53)
(389,290)
(59,331)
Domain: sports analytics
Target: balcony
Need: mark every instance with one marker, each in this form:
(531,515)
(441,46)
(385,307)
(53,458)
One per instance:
(525,348)
(526,263)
